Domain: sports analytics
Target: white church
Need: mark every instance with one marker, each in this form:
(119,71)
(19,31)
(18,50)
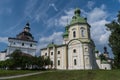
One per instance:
(77,50)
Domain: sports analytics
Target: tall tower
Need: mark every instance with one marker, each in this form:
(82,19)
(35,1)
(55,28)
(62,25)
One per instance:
(80,45)
(77,29)
(24,41)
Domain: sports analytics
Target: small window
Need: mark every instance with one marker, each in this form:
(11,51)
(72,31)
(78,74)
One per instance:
(58,52)
(87,61)
(86,49)
(75,62)
(58,62)
(30,45)
(22,44)
(74,51)
(14,43)
(45,54)
(83,33)
(51,53)
(74,34)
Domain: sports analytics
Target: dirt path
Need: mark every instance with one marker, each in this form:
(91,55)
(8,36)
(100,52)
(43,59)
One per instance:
(23,75)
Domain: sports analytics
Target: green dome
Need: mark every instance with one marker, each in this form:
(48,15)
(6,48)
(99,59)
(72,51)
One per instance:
(77,18)
(51,45)
(65,34)
(77,11)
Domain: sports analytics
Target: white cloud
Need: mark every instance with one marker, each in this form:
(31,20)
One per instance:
(90,4)
(65,19)
(97,14)
(97,18)
(56,37)
(104,38)
(4,40)
(54,7)
(61,21)
(119,0)
(30,7)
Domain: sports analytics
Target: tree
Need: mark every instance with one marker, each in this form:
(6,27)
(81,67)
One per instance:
(114,39)
(102,57)
(21,59)
(41,61)
(47,61)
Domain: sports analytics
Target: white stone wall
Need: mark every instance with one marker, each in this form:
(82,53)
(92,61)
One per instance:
(78,55)
(61,57)
(106,66)
(28,47)
(2,56)
(55,57)
(78,28)
(98,61)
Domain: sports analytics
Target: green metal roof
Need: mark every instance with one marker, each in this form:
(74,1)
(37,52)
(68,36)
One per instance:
(104,62)
(75,19)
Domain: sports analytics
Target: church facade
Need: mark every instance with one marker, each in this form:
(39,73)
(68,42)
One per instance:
(77,50)
(24,41)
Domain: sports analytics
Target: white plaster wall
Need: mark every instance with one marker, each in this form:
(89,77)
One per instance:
(98,61)
(106,66)
(77,28)
(17,44)
(2,56)
(61,57)
(78,55)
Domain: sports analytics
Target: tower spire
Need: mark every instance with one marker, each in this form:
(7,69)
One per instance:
(27,28)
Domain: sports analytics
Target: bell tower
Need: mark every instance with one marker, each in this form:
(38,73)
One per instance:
(78,28)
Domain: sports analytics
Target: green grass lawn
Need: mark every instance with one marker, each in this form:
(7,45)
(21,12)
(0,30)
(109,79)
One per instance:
(75,75)
(14,72)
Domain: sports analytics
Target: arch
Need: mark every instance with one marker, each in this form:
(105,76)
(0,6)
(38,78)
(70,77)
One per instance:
(74,41)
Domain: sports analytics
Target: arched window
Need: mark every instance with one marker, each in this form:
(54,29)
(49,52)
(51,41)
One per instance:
(58,52)
(58,62)
(83,33)
(87,61)
(51,53)
(45,54)
(30,45)
(74,50)
(74,34)
(22,44)
(75,62)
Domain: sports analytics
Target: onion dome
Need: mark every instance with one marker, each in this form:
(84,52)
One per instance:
(77,18)
(26,35)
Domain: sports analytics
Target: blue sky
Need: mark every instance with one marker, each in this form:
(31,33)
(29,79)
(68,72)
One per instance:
(48,18)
